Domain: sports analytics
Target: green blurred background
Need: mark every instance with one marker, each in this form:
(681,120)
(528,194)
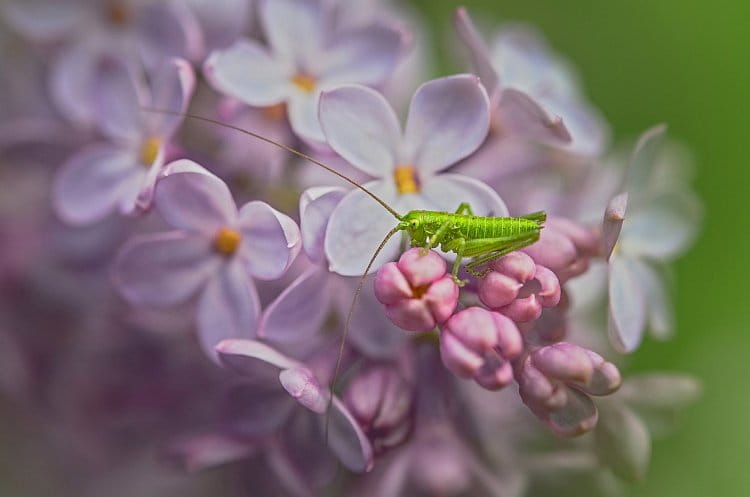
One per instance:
(686,63)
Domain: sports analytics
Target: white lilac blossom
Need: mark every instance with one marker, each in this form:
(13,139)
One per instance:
(448,119)
(215,249)
(483,389)
(120,174)
(307,54)
(648,225)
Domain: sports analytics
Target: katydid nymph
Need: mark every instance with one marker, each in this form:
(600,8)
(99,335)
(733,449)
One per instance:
(480,239)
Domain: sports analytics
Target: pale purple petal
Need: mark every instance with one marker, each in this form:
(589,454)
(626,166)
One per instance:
(117,101)
(627,306)
(247,72)
(623,442)
(298,312)
(287,22)
(641,168)
(258,407)
(302,109)
(302,385)
(614,216)
(586,130)
(365,56)
(521,115)
(171,91)
(43,20)
(242,356)
(271,240)
(228,307)
(222,21)
(315,207)
(72,81)
(356,228)
(663,228)
(477,50)
(166,29)
(445,192)
(191,198)
(207,451)
(361,126)
(448,120)
(94,182)
(164,269)
(659,305)
(347,440)
(371,332)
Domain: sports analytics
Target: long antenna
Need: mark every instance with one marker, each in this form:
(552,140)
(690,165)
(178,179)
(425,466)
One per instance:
(280,145)
(360,285)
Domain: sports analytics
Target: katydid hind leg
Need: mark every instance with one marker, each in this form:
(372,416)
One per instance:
(464,208)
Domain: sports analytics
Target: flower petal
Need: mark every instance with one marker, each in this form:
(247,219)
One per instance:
(612,224)
(302,109)
(286,22)
(659,305)
(623,442)
(42,20)
(627,306)
(117,100)
(315,207)
(243,356)
(246,71)
(191,198)
(444,192)
(371,332)
(172,89)
(228,308)
(477,50)
(298,312)
(522,115)
(642,163)
(72,81)
(163,269)
(271,240)
(166,29)
(347,440)
(303,386)
(222,21)
(93,182)
(258,407)
(209,450)
(361,126)
(364,56)
(356,228)
(448,120)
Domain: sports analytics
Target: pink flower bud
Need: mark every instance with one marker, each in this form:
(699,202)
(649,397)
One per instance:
(477,343)
(416,291)
(519,288)
(381,401)
(564,247)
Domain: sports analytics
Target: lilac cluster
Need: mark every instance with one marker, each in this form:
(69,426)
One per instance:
(176,287)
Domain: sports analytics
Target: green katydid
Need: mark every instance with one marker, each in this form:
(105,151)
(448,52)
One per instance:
(483,239)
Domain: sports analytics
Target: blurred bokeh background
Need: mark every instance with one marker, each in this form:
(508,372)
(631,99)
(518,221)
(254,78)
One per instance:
(685,63)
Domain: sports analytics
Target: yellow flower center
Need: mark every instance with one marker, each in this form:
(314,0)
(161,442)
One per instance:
(227,240)
(406,179)
(275,112)
(304,82)
(150,150)
(117,13)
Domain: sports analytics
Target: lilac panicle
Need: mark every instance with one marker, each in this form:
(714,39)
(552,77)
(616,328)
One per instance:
(416,291)
(215,250)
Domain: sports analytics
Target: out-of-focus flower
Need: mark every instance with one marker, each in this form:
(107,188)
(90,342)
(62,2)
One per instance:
(555,383)
(215,250)
(534,92)
(121,173)
(653,222)
(416,291)
(448,120)
(480,344)
(519,288)
(294,73)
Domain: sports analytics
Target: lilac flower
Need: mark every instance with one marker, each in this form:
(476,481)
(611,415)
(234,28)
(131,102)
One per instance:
(120,174)
(215,250)
(555,383)
(448,120)
(295,73)
(476,343)
(648,226)
(518,288)
(416,291)
(534,93)
(97,30)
